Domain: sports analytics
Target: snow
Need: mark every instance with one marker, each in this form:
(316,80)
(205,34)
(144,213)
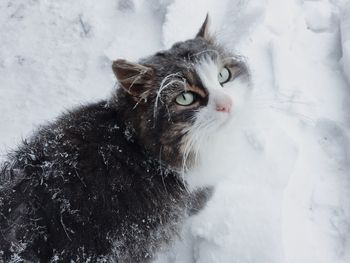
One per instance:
(345,38)
(318,16)
(281,167)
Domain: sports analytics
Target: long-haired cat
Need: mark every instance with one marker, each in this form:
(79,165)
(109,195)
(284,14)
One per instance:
(107,182)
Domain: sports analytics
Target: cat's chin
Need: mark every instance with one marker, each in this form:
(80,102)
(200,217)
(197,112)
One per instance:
(207,127)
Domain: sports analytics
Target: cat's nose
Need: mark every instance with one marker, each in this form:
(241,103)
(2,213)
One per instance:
(223,103)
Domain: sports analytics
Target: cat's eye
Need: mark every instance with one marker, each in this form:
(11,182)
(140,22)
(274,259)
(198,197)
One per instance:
(185,99)
(224,75)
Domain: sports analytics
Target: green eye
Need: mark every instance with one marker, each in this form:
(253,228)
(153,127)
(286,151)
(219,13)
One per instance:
(185,99)
(224,75)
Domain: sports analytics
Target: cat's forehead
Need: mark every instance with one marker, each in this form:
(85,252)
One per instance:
(195,48)
(183,55)
(183,58)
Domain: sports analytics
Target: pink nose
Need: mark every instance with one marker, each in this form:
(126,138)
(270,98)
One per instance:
(223,103)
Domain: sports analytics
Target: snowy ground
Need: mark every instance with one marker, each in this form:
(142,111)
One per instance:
(284,188)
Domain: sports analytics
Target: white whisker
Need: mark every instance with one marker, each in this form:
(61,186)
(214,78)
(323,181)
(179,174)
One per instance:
(163,86)
(194,139)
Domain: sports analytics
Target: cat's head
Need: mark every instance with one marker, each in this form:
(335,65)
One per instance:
(178,97)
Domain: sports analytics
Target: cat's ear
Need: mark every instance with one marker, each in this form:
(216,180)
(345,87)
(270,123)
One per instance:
(133,77)
(204,30)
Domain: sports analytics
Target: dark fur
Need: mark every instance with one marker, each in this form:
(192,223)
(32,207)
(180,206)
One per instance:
(102,182)
(83,185)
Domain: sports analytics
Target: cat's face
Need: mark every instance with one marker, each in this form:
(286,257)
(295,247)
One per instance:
(180,96)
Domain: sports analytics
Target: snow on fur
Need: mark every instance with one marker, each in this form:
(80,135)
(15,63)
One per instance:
(281,166)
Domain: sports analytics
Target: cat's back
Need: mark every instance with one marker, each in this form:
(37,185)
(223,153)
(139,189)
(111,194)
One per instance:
(86,138)
(59,184)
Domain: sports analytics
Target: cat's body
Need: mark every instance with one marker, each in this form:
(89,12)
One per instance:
(106,182)
(87,190)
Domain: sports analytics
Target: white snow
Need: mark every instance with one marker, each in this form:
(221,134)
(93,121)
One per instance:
(281,166)
(345,38)
(318,15)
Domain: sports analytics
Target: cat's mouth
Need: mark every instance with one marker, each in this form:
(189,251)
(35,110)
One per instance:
(223,118)
(219,120)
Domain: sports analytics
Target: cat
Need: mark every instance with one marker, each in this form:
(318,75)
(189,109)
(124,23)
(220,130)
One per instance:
(106,182)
